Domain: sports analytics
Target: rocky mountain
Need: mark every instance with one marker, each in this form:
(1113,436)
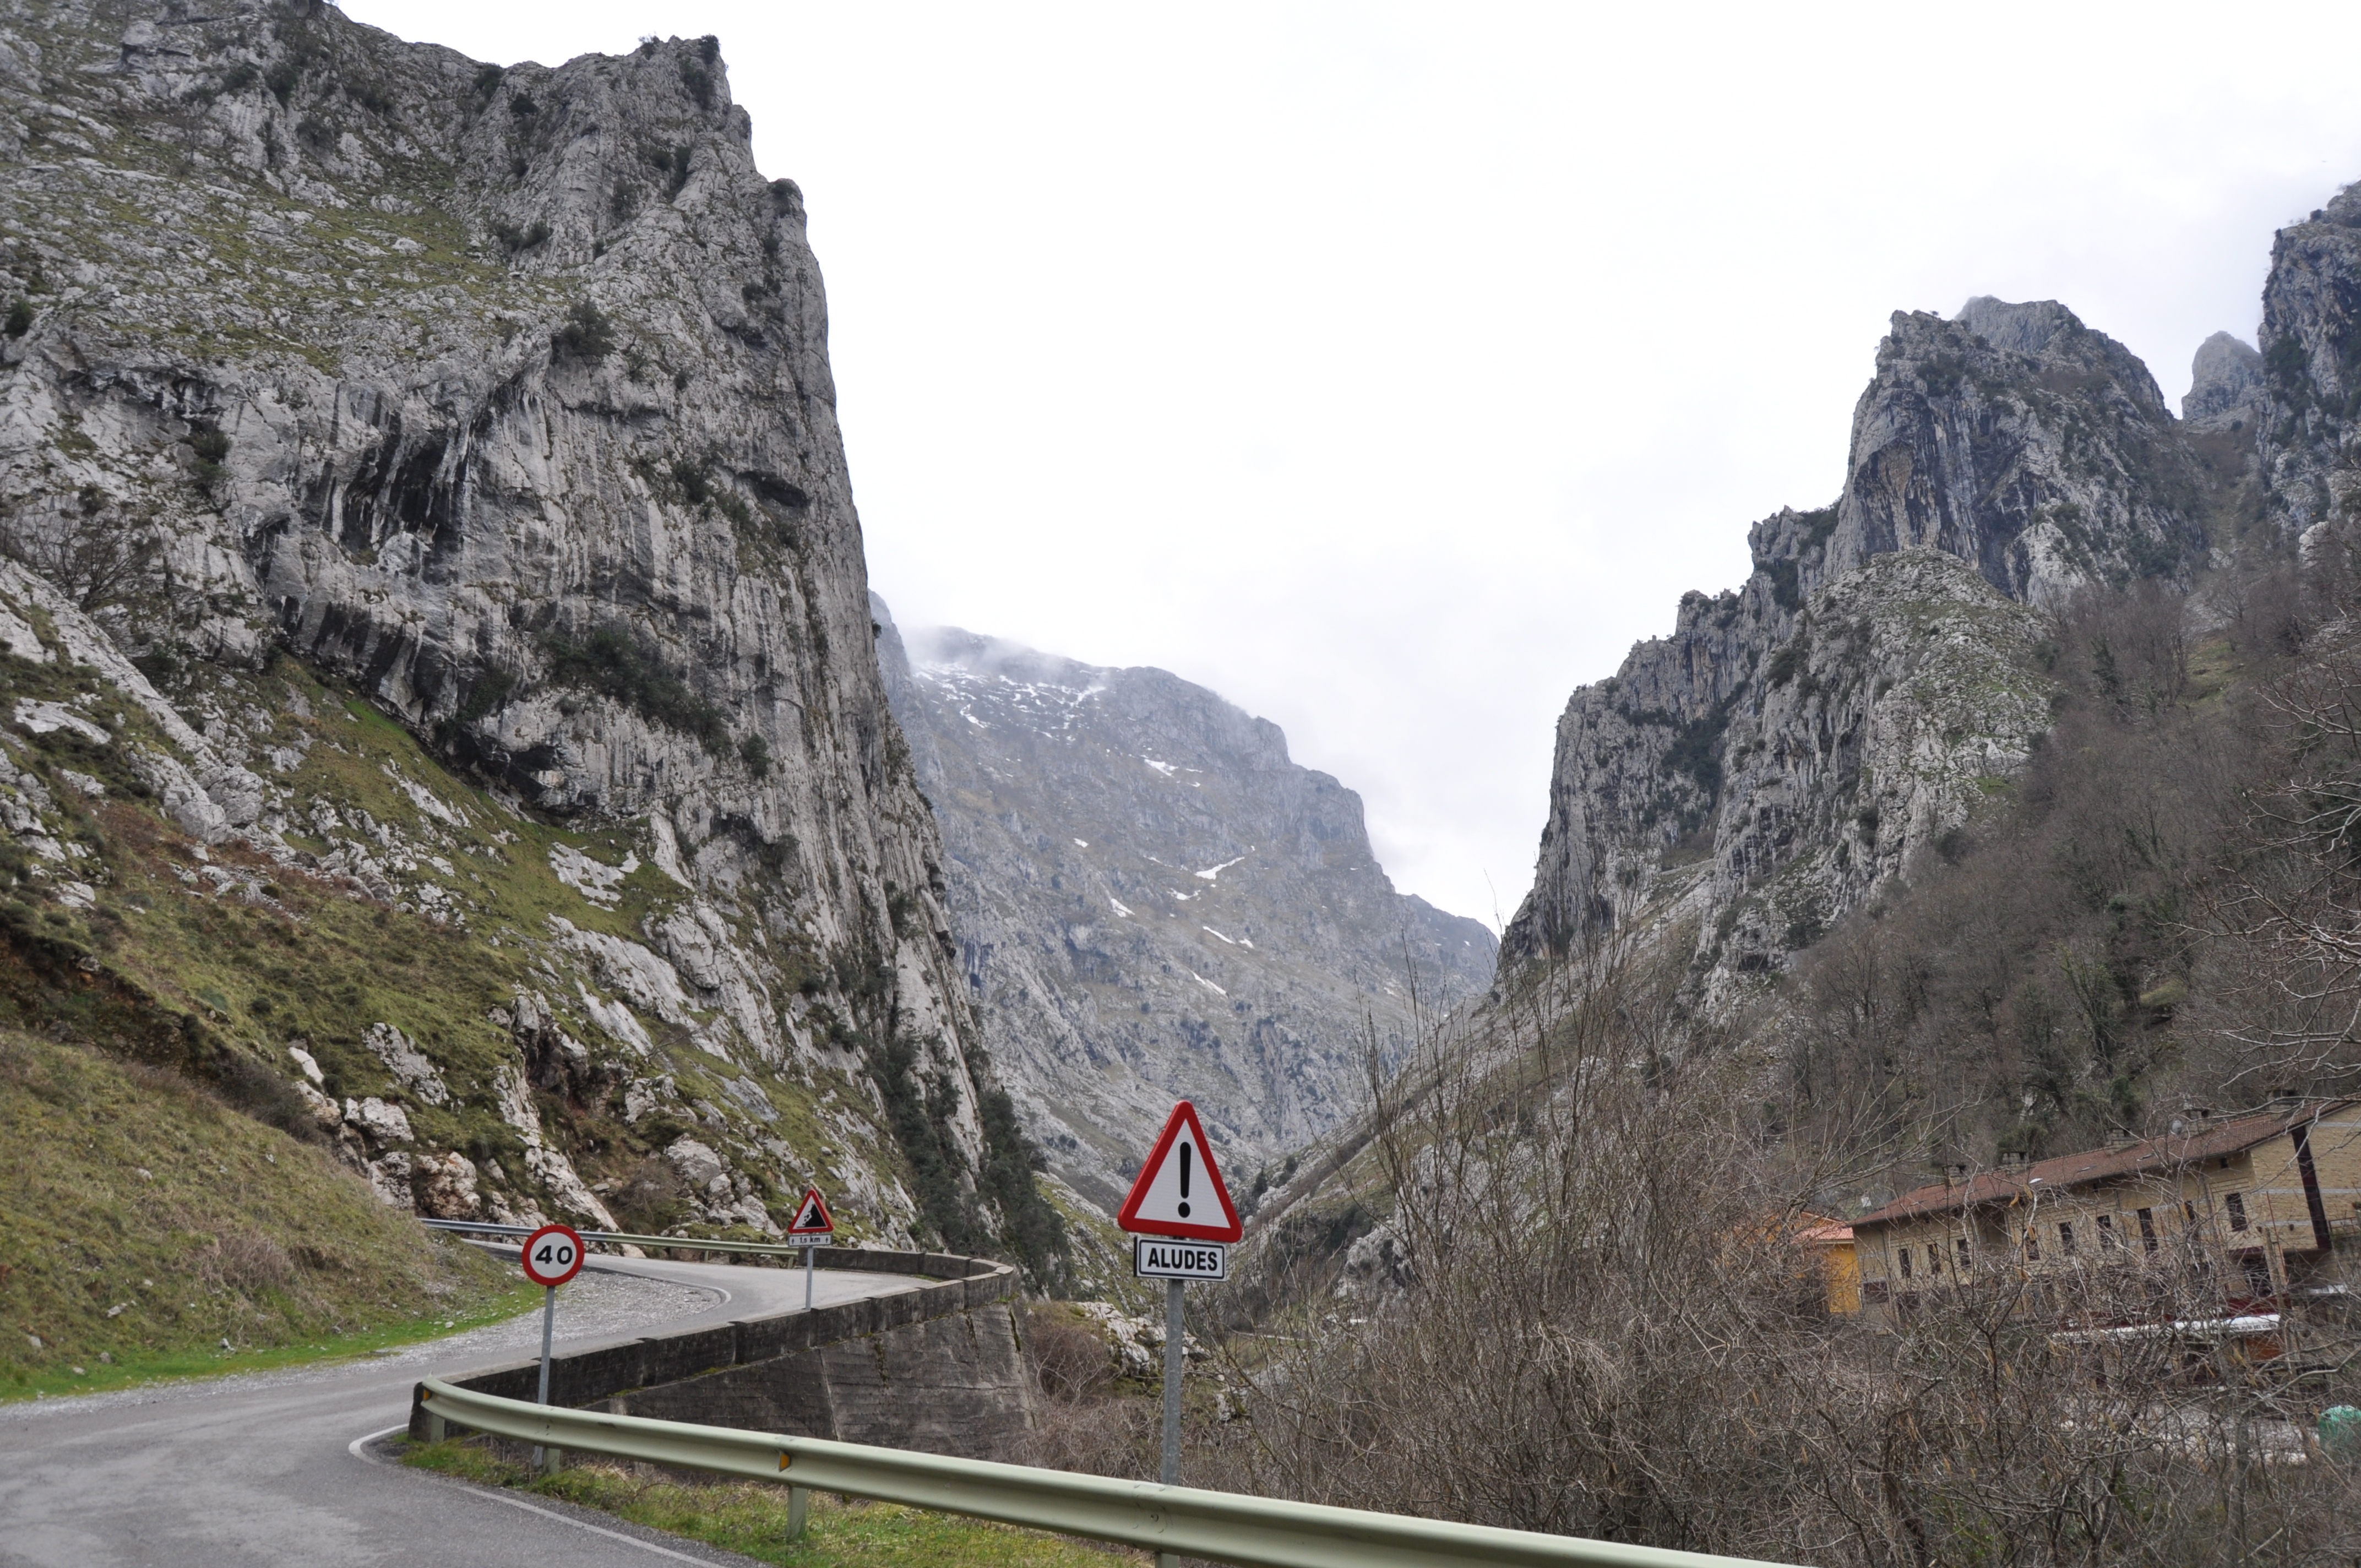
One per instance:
(1152,903)
(435,543)
(1878,679)
(2308,433)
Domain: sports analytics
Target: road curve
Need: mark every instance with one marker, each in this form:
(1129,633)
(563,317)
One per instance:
(269,1468)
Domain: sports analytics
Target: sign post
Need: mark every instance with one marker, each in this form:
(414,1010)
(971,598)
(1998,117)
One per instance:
(1182,1221)
(552,1255)
(811,1228)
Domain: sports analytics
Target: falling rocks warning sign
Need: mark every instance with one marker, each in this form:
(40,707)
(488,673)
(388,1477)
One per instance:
(1179,1191)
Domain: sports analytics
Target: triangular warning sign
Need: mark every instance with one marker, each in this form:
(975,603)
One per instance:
(811,1216)
(1179,1190)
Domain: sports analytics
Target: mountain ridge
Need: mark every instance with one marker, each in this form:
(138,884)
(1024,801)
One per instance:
(1154,902)
(1739,774)
(479,419)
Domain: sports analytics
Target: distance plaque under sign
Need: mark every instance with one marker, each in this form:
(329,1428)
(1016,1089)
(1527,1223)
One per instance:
(1161,1257)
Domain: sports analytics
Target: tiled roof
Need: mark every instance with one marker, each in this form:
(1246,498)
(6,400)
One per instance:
(2209,1141)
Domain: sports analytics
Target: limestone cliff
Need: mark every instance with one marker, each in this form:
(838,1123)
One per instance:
(496,401)
(1796,741)
(1153,902)
(2309,437)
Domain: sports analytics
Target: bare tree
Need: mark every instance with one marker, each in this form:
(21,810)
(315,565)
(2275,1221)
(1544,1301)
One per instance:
(2286,905)
(91,550)
(1586,1311)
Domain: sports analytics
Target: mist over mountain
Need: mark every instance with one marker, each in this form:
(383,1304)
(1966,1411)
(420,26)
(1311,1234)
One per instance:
(1152,903)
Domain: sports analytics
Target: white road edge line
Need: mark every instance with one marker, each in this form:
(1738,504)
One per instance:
(358,1447)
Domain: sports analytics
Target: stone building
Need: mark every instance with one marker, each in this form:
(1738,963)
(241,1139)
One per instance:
(2236,1230)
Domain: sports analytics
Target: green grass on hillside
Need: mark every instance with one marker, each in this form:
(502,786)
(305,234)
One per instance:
(289,955)
(142,1223)
(750,1519)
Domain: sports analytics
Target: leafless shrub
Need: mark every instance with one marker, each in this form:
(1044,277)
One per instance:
(247,1262)
(1071,1364)
(650,1197)
(1081,1421)
(2128,649)
(1601,1325)
(2287,905)
(1116,1436)
(93,553)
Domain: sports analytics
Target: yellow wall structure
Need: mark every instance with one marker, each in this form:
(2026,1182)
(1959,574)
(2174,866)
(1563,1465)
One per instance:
(2232,1190)
(1833,1246)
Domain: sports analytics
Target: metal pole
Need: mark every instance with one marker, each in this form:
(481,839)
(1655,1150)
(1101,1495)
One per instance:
(1172,1360)
(1172,1383)
(808,1267)
(548,1324)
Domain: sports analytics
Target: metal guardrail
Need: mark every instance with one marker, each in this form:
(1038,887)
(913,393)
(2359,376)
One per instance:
(620,1238)
(1254,1532)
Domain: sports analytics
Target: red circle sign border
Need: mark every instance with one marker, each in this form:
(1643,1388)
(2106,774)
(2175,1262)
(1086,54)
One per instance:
(524,1255)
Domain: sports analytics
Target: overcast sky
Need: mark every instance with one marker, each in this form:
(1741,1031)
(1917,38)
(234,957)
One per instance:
(1391,368)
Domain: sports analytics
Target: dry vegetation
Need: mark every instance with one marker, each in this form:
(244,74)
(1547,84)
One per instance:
(1573,1300)
(148,1228)
(1592,1318)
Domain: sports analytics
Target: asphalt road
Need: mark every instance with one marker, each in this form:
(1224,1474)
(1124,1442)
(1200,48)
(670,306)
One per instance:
(270,1468)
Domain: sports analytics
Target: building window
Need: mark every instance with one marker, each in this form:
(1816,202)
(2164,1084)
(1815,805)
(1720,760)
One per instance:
(2258,1273)
(2237,1203)
(2108,1239)
(1966,1258)
(2066,1238)
(2031,1245)
(1905,1253)
(2147,1229)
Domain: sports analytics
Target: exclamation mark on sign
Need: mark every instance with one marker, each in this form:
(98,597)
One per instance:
(1185,1152)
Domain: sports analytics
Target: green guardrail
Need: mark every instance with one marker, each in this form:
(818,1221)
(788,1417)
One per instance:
(1173,1521)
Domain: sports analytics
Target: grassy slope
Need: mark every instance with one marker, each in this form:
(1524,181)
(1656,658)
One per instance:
(315,963)
(114,1015)
(743,1517)
(124,1186)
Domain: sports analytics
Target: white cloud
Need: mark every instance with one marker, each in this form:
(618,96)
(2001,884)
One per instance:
(1391,369)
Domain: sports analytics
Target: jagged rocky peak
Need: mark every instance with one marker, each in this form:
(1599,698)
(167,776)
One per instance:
(2308,439)
(1757,772)
(2026,328)
(501,397)
(2226,382)
(2045,457)
(1154,902)
(1907,691)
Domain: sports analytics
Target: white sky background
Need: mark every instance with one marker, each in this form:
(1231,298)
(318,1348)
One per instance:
(1391,368)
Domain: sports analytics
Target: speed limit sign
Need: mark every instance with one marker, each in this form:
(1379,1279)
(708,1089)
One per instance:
(552,1255)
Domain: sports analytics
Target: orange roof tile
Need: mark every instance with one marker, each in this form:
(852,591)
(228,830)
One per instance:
(2209,1141)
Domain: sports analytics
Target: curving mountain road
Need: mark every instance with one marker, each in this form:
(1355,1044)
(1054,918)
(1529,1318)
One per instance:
(273,1467)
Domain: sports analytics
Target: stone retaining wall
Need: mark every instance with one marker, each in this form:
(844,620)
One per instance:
(939,1368)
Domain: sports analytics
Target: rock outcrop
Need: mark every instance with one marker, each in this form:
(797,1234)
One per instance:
(1153,902)
(2018,439)
(1796,741)
(2225,385)
(2309,438)
(499,397)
